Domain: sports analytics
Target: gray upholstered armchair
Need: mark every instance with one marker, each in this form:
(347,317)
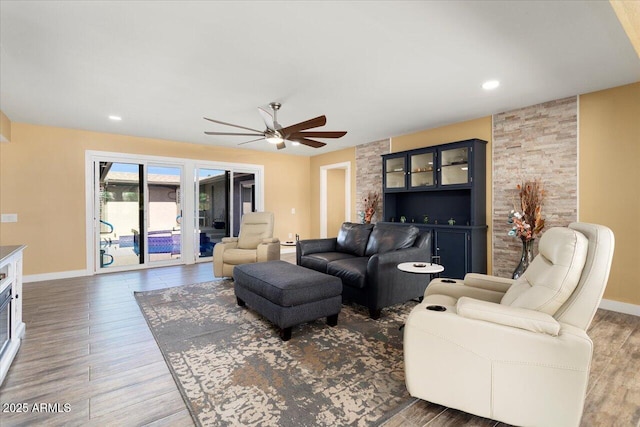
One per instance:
(255,243)
(514,351)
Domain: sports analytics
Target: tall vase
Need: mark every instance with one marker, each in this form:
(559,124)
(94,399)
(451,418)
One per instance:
(368,215)
(525,258)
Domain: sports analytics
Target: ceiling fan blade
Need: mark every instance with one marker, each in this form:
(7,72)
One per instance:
(253,140)
(310,142)
(319,134)
(233,134)
(311,123)
(268,118)
(280,145)
(235,126)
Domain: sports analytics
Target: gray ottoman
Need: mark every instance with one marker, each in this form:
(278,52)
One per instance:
(288,294)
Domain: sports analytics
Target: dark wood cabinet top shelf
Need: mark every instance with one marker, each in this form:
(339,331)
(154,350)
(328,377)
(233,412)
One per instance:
(445,183)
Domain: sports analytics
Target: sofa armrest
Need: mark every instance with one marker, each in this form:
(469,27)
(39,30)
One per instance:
(271,240)
(393,258)
(387,285)
(312,246)
(516,317)
(229,240)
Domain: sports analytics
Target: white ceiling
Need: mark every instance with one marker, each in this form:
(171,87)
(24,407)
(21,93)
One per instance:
(375,68)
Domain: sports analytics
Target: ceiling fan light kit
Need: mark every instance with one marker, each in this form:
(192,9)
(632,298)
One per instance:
(277,135)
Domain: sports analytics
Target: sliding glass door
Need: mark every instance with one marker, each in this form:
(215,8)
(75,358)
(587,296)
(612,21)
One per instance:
(244,196)
(121,200)
(140,214)
(164,213)
(213,209)
(223,197)
(143,213)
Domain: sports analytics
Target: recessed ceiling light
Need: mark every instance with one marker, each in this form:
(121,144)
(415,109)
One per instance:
(115,118)
(490,84)
(295,143)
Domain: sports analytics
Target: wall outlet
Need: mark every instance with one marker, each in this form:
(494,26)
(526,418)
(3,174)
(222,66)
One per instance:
(290,236)
(293,211)
(9,218)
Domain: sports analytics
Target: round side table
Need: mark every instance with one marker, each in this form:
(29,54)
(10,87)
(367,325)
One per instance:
(421,267)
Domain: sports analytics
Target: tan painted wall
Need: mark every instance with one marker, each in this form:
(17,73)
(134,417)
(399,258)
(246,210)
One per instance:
(477,128)
(346,155)
(609,177)
(5,128)
(42,180)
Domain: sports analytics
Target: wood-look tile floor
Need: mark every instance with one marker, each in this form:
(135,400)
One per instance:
(88,346)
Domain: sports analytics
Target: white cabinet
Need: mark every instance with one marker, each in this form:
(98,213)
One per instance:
(12,327)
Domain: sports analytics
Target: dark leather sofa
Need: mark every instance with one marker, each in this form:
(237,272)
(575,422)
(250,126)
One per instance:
(365,257)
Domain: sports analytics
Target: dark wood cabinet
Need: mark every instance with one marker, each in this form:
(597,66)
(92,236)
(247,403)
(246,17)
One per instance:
(443,189)
(461,250)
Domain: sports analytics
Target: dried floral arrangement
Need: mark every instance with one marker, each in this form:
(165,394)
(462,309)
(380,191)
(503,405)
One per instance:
(370,205)
(526,217)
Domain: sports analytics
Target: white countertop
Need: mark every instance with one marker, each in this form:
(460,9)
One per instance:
(7,251)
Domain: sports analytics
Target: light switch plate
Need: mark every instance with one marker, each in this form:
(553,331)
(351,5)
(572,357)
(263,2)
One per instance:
(9,218)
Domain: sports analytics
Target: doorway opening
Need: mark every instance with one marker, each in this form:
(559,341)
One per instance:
(335,188)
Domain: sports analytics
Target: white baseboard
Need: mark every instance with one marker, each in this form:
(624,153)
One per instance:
(620,307)
(55,276)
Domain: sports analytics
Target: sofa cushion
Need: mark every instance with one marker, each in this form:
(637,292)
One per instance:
(319,261)
(390,237)
(553,275)
(352,238)
(352,271)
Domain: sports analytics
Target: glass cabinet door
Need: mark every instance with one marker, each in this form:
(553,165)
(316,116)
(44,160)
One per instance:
(422,170)
(454,165)
(394,172)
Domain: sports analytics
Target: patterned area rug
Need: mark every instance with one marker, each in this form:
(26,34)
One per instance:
(232,368)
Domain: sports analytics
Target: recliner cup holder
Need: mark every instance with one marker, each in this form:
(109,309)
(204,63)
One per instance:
(436,308)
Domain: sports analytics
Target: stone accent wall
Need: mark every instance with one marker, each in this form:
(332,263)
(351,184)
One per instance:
(369,173)
(540,141)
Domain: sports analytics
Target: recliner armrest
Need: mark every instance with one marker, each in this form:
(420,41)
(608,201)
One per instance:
(268,250)
(490,283)
(530,320)
(270,240)
(458,289)
(229,239)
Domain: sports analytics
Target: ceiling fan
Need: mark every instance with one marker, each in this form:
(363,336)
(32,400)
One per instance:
(276,134)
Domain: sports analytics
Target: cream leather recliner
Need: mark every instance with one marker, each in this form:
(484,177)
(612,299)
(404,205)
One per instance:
(514,350)
(255,243)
